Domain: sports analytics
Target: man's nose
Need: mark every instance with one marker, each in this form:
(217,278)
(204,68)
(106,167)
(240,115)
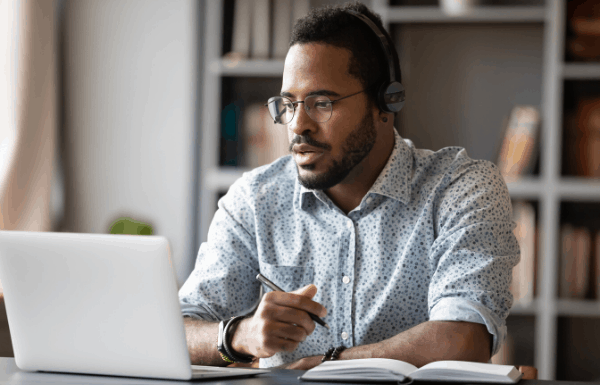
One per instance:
(301,121)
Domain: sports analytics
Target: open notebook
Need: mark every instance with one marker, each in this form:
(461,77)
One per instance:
(384,370)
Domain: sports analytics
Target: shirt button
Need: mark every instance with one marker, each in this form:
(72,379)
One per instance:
(344,335)
(369,200)
(349,224)
(346,279)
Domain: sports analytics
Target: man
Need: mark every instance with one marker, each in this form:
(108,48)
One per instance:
(406,253)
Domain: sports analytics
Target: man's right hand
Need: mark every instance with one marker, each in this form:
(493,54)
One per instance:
(280,323)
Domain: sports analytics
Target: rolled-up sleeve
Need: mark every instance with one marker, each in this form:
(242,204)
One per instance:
(222,283)
(475,250)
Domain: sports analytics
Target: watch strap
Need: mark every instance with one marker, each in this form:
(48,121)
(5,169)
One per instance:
(226,338)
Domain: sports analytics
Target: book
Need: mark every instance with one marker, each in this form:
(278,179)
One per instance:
(242,24)
(517,152)
(575,261)
(282,13)
(523,275)
(384,369)
(261,25)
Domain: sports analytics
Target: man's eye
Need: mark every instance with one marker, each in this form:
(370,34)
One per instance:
(322,105)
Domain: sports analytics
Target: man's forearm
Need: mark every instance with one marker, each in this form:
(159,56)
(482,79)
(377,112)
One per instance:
(431,341)
(202,342)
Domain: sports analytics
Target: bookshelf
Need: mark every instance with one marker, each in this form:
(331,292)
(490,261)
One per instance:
(538,322)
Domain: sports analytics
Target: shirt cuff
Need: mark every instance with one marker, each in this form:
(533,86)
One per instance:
(198,312)
(458,309)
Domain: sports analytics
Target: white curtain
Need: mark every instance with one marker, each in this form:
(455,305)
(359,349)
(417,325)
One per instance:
(28,112)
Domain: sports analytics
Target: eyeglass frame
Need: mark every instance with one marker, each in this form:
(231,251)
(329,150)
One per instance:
(302,101)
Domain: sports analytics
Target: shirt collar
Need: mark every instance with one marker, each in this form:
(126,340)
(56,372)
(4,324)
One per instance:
(393,181)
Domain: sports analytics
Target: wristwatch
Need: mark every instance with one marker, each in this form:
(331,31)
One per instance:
(226,328)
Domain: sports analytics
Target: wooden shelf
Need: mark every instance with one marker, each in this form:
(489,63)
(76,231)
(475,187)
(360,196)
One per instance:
(579,189)
(525,14)
(264,68)
(578,308)
(520,309)
(526,188)
(581,71)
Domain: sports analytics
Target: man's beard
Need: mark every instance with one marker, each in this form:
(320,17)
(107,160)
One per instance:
(356,147)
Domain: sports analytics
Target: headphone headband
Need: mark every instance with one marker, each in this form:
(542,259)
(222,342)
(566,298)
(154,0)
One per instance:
(382,39)
(390,97)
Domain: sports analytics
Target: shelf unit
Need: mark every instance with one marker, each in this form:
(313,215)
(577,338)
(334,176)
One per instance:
(548,188)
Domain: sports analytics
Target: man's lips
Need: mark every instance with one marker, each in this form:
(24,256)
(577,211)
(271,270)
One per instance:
(306,154)
(304,148)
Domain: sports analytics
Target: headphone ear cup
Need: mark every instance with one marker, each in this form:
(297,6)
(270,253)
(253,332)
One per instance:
(391,97)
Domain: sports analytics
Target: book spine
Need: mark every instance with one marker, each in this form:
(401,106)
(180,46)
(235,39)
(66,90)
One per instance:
(261,24)
(282,14)
(242,22)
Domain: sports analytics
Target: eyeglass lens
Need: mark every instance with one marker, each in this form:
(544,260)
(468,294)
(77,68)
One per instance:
(317,107)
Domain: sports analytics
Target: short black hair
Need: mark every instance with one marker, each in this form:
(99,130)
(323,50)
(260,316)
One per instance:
(335,26)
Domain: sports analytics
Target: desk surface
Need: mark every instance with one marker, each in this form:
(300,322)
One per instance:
(10,374)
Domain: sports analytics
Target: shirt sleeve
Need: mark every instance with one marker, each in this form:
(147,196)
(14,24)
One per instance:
(474,251)
(223,282)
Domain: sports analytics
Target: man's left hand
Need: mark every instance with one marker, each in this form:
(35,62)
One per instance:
(305,363)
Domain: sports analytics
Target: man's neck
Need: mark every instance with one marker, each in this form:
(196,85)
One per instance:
(348,194)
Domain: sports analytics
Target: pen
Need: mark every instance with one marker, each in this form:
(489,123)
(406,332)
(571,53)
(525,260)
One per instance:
(274,287)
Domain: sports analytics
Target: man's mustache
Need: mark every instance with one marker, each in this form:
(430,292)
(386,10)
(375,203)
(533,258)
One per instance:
(305,139)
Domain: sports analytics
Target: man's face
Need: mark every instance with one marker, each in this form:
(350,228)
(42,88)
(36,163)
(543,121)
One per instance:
(325,153)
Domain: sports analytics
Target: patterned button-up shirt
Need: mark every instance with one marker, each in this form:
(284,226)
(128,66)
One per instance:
(431,240)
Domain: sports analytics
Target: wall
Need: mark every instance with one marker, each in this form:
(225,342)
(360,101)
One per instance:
(130,80)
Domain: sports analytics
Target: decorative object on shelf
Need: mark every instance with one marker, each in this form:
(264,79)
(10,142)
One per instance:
(523,276)
(230,121)
(129,226)
(517,153)
(458,7)
(584,20)
(575,261)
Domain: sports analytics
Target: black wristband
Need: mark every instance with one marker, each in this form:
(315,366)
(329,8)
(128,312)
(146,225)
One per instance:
(336,352)
(327,354)
(227,338)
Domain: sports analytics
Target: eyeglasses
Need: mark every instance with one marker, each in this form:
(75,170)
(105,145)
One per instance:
(318,107)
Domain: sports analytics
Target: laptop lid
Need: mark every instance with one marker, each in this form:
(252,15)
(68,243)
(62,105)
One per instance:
(93,303)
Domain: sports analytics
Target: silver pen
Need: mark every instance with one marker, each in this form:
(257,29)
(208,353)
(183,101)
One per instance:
(274,287)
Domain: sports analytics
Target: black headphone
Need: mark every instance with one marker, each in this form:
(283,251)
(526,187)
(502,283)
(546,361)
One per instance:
(390,97)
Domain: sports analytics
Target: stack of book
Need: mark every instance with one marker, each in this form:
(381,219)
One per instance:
(262,28)
(582,139)
(580,263)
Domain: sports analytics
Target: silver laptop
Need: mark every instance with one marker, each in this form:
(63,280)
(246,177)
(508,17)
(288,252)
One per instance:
(97,304)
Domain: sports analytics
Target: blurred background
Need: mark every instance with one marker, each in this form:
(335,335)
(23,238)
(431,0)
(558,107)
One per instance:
(151,109)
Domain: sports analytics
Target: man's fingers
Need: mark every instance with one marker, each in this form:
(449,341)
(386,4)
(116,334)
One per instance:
(296,301)
(307,291)
(294,316)
(290,332)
